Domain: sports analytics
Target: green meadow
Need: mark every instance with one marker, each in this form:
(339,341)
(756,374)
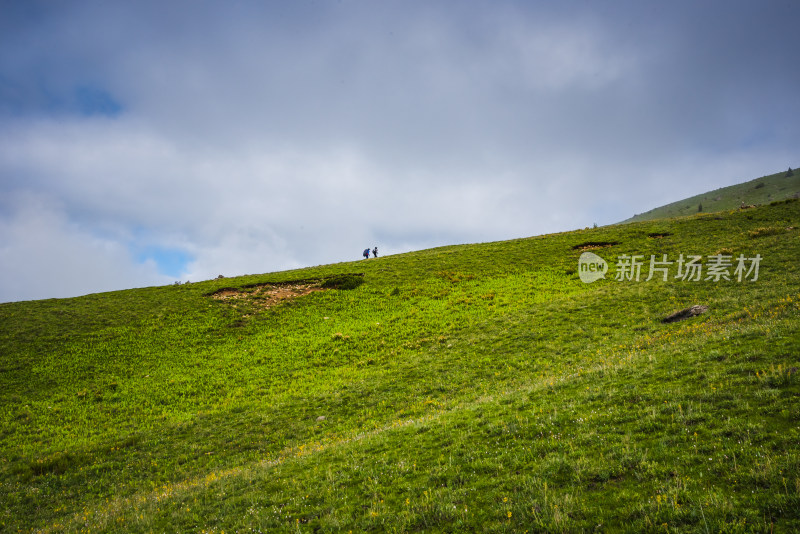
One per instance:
(468,388)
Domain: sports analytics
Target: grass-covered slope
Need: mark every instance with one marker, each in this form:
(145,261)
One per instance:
(764,190)
(465,388)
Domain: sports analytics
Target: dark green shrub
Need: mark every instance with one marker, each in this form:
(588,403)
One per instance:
(343,281)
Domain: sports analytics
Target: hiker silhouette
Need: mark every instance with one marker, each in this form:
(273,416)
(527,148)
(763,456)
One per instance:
(375,252)
(366,253)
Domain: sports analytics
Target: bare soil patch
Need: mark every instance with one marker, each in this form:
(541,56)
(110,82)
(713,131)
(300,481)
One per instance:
(267,295)
(591,245)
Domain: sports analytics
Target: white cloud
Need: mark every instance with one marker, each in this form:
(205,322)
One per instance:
(44,255)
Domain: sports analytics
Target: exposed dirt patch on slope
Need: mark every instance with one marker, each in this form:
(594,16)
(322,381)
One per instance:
(267,295)
(591,245)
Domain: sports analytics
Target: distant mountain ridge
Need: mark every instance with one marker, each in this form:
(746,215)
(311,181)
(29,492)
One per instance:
(771,188)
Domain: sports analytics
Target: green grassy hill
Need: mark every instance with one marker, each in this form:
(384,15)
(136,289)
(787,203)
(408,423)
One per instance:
(772,188)
(465,388)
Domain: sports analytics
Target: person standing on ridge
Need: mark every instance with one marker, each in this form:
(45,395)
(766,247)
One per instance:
(366,253)
(375,252)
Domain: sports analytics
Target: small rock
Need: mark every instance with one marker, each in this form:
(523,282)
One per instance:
(321,418)
(685,313)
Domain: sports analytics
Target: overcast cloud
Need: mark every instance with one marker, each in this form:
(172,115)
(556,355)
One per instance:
(144,142)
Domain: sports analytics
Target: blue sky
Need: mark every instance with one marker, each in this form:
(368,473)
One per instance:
(147,142)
